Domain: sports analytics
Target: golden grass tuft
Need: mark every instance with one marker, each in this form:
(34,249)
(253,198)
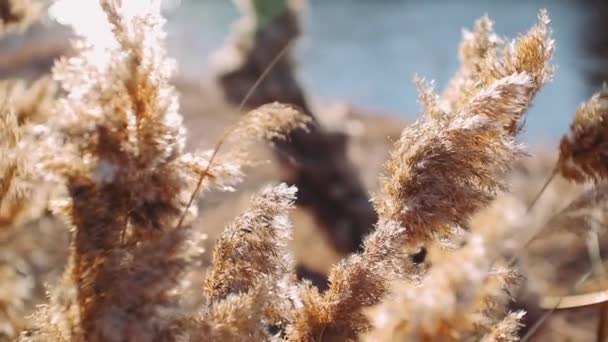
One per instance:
(113,142)
(584,151)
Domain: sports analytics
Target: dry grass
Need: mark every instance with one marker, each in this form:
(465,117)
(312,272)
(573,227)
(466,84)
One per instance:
(102,166)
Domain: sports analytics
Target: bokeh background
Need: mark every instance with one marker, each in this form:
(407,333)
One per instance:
(367,52)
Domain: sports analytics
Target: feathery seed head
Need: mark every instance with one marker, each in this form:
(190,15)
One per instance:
(441,172)
(486,59)
(476,44)
(584,151)
(271,121)
(356,283)
(429,100)
(461,298)
(253,246)
(474,48)
(507,329)
(530,53)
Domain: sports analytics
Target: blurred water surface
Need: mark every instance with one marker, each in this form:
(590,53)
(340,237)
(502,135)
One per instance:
(368,51)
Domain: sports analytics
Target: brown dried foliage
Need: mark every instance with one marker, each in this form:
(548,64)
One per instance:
(486,59)
(25,258)
(463,296)
(23,198)
(22,132)
(252,251)
(236,318)
(253,246)
(584,151)
(474,49)
(442,171)
(128,181)
(447,166)
(356,283)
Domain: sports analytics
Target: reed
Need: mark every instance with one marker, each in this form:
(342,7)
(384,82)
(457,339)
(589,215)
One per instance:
(112,141)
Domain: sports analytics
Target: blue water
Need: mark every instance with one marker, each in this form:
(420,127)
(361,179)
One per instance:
(367,51)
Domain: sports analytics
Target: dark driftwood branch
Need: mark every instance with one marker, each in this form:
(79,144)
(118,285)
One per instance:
(316,160)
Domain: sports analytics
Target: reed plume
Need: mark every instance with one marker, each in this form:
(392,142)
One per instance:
(507,329)
(584,151)
(486,59)
(129,182)
(462,297)
(248,288)
(17,177)
(128,186)
(475,46)
(24,195)
(21,169)
(26,145)
(271,122)
(530,53)
(442,171)
(252,251)
(238,317)
(429,101)
(420,190)
(33,103)
(356,283)
(13,169)
(471,129)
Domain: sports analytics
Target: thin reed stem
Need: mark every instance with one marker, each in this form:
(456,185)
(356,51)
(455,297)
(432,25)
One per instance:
(546,315)
(542,190)
(228,132)
(531,238)
(593,249)
(265,73)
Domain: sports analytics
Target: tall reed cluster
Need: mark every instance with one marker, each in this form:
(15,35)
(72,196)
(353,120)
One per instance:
(584,151)
(25,149)
(582,161)
(129,192)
